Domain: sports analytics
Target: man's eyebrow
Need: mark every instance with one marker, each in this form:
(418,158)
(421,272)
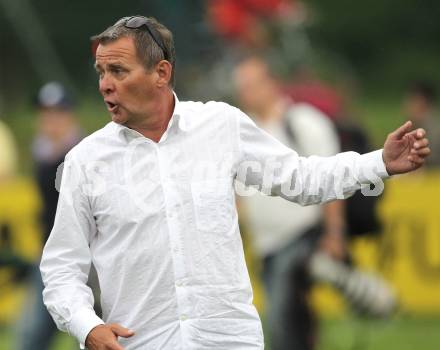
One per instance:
(98,67)
(115,65)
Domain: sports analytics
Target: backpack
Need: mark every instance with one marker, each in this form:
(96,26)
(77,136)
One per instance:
(361,211)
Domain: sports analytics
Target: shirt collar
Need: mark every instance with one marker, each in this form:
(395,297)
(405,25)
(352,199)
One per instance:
(176,118)
(178,114)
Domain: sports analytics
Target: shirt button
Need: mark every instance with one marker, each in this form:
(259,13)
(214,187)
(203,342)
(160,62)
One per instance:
(183,317)
(179,283)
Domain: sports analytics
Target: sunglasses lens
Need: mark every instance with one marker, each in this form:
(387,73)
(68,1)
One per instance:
(123,21)
(136,22)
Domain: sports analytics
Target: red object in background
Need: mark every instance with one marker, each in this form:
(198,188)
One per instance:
(317,94)
(229,18)
(235,18)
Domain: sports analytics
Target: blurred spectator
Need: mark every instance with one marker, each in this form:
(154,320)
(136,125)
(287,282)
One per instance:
(57,133)
(420,107)
(285,234)
(299,245)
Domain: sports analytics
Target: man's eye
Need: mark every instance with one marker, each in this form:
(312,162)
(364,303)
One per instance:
(117,70)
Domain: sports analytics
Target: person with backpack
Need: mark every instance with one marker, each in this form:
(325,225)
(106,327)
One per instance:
(297,245)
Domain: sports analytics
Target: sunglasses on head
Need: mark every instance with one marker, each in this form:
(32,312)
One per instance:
(136,22)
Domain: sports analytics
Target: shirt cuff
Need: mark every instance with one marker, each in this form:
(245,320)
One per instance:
(82,322)
(372,167)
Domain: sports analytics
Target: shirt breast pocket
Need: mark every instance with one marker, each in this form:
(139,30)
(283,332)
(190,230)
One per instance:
(213,205)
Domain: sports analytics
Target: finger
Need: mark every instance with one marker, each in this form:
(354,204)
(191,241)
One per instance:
(421,143)
(121,331)
(424,152)
(420,151)
(417,134)
(417,160)
(400,132)
(420,133)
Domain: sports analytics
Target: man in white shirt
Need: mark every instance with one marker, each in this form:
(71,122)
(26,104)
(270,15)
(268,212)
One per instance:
(149,200)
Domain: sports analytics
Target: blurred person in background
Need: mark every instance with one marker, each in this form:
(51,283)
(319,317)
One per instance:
(295,242)
(420,106)
(360,211)
(163,230)
(57,132)
(276,28)
(285,234)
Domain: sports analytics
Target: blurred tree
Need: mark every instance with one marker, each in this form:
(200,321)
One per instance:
(65,27)
(389,42)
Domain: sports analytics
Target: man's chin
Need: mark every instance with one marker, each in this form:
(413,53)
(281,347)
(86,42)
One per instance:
(118,118)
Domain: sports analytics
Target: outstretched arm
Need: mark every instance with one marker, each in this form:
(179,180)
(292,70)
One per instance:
(266,165)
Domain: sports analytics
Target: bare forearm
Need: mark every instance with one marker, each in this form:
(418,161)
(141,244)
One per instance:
(334,217)
(333,239)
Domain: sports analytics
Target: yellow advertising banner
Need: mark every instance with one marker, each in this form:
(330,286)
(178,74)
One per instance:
(20,242)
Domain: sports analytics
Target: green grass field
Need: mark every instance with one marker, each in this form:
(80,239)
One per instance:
(345,334)
(398,334)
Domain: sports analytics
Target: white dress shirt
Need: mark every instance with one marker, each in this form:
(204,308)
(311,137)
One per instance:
(158,221)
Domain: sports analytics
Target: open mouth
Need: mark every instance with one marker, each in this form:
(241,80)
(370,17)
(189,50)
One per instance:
(112,107)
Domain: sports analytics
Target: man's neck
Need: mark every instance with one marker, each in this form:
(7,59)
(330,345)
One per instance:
(155,125)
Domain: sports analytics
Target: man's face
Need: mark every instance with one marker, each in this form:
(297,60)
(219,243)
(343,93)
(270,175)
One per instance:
(254,86)
(127,86)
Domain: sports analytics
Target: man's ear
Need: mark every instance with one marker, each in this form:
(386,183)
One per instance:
(164,70)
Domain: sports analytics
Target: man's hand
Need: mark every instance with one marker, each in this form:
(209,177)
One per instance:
(405,149)
(105,337)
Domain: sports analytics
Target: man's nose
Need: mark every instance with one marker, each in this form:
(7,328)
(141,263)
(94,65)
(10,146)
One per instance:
(106,85)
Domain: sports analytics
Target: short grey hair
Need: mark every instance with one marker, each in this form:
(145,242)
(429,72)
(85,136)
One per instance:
(148,51)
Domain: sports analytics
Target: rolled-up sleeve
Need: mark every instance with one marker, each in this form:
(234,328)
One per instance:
(267,165)
(66,259)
